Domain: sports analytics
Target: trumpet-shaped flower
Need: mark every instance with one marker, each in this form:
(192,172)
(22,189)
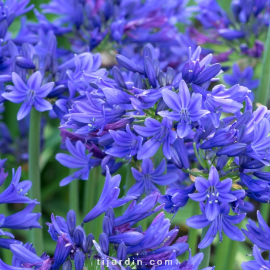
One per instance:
(214,192)
(149,176)
(222,223)
(79,160)
(30,94)
(185,108)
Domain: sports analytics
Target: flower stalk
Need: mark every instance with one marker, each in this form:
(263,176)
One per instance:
(34,173)
(206,252)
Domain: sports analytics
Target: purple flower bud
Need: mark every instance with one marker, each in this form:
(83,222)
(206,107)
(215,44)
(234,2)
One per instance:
(162,79)
(110,213)
(181,150)
(67,265)
(156,66)
(122,251)
(231,34)
(262,175)
(104,243)
(71,221)
(89,241)
(23,62)
(48,62)
(117,75)
(61,252)
(150,71)
(57,91)
(127,64)
(107,226)
(222,161)
(254,164)
(79,260)
(148,51)
(208,73)
(78,236)
(170,76)
(233,150)
(36,61)
(54,66)
(138,81)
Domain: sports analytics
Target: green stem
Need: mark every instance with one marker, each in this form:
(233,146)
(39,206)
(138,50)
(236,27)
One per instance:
(232,253)
(206,252)
(265,211)
(193,233)
(197,155)
(262,94)
(74,197)
(34,174)
(221,253)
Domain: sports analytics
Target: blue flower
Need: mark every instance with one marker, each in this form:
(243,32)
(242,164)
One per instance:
(214,192)
(223,222)
(138,211)
(16,192)
(176,198)
(150,176)
(108,198)
(126,144)
(159,133)
(79,160)
(258,263)
(244,77)
(31,94)
(258,235)
(186,108)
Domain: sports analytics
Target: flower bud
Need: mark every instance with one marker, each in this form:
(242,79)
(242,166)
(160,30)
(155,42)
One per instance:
(138,81)
(126,63)
(23,62)
(71,221)
(162,79)
(78,236)
(170,76)
(122,251)
(48,62)
(110,213)
(156,66)
(222,161)
(79,260)
(149,71)
(104,243)
(67,265)
(107,226)
(117,75)
(36,61)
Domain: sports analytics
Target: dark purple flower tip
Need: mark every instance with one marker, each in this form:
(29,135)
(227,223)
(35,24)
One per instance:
(117,75)
(23,62)
(208,74)
(262,175)
(162,79)
(71,221)
(89,242)
(222,161)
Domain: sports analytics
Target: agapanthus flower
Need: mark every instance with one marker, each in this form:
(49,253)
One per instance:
(222,223)
(214,192)
(126,144)
(244,77)
(30,94)
(258,263)
(16,192)
(258,235)
(109,197)
(79,160)
(159,133)
(185,108)
(148,177)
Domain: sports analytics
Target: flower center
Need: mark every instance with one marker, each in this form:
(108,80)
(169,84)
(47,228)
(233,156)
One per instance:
(212,195)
